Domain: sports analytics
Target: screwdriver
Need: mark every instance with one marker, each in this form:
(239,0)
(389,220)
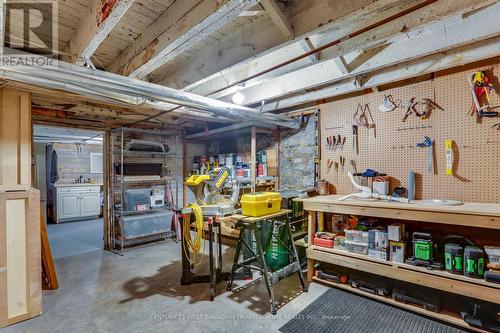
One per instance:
(355,138)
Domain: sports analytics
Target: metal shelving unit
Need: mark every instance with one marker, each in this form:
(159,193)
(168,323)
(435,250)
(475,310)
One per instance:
(120,183)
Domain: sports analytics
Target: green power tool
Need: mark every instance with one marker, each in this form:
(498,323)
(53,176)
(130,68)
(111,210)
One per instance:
(473,262)
(461,256)
(454,253)
(425,251)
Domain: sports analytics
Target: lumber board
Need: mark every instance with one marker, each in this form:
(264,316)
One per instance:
(15,139)
(444,316)
(420,278)
(20,256)
(485,215)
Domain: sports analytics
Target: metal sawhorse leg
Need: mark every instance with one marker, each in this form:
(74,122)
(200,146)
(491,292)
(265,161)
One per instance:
(255,228)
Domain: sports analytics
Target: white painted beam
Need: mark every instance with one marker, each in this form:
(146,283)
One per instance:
(440,36)
(184,24)
(2,23)
(342,65)
(336,29)
(239,54)
(457,57)
(308,46)
(91,33)
(274,12)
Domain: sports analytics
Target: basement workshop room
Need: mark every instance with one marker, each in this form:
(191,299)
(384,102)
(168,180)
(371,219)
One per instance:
(293,166)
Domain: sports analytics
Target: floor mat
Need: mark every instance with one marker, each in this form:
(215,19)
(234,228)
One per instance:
(341,311)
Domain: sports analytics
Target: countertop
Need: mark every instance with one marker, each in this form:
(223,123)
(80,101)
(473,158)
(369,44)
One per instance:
(77,184)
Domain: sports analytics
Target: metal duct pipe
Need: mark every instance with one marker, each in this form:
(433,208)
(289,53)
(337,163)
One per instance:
(116,88)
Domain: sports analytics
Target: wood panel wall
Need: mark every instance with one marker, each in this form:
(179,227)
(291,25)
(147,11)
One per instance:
(15,139)
(20,269)
(390,146)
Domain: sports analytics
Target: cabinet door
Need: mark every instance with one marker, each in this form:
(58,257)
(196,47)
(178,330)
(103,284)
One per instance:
(90,204)
(68,206)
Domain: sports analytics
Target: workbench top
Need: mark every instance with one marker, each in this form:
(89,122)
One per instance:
(469,208)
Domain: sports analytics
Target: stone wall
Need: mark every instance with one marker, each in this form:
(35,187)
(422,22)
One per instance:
(297,156)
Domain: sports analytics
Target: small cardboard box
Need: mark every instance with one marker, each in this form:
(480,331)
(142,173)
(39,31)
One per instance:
(397,251)
(396,232)
(378,254)
(378,240)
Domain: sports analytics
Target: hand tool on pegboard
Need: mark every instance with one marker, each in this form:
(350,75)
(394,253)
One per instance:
(329,164)
(479,85)
(337,171)
(448,145)
(342,162)
(334,142)
(354,170)
(355,139)
(428,143)
(422,109)
(341,141)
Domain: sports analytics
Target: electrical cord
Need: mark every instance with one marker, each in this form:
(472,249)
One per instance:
(192,248)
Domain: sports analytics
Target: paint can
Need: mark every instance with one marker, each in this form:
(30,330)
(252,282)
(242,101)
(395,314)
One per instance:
(222,159)
(229,159)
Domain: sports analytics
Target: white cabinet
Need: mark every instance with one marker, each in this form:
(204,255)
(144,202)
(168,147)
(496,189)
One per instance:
(77,203)
(90,204)
(68,206)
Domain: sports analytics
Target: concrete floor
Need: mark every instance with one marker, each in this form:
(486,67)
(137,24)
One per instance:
(72,238)
(140,292)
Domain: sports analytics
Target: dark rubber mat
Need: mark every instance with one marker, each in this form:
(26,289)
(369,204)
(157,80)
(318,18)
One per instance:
(340,311)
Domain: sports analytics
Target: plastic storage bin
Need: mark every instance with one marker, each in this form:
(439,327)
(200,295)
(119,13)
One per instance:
(356,236)
(493,253)
(354,247)
(260,203)
(143,225)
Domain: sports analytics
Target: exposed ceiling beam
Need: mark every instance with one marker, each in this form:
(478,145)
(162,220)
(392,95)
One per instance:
(2,22)
(335,29)
(457,57)
(276,15)
(307,46)
(184,24)
(242,50)
(94,27)
(439,36)
(341,65)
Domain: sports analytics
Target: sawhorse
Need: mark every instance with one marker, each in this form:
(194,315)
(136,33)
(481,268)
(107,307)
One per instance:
(254,226)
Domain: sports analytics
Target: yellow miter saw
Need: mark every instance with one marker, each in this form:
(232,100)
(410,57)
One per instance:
(207,190)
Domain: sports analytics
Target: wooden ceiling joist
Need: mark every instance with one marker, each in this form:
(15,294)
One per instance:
(175,31)
(440,61)
(384,46)
(97,23)
(276,15)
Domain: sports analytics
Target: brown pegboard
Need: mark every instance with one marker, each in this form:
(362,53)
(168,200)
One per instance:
(391,150)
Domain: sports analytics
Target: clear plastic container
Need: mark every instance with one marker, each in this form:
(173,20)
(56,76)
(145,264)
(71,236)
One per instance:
(353,247)
(493,253)
(357,236)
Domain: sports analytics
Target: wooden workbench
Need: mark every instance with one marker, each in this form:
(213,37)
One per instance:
(467,215)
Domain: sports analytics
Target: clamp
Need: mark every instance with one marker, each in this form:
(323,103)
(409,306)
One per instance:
(428,143)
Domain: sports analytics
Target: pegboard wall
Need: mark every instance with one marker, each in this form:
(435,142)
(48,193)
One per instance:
(390,147)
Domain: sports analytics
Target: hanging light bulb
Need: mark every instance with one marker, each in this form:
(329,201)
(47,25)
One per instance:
(238,98)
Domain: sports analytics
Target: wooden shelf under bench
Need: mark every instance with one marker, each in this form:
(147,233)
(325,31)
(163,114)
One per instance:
(415,275)
(473,215)
(443,315)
